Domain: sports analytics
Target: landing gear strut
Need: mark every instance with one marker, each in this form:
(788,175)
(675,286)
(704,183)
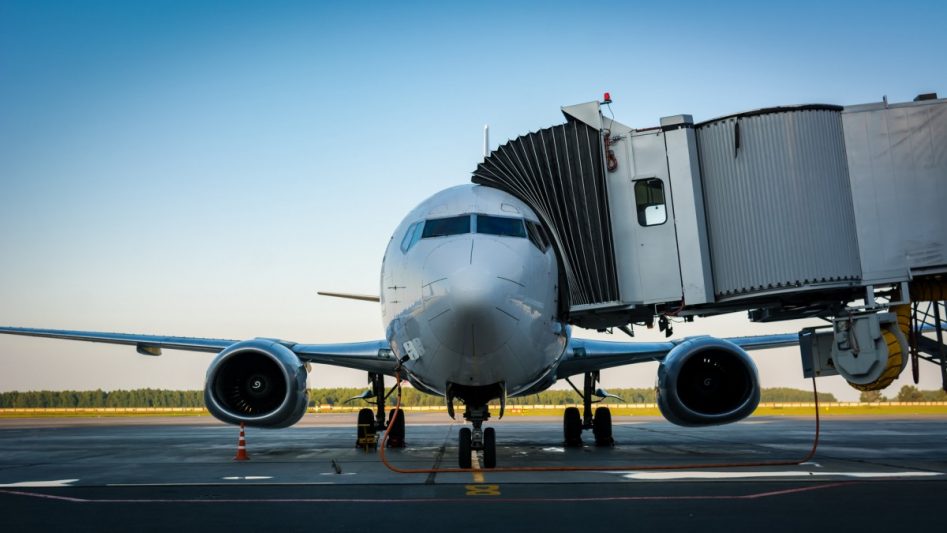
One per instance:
(600,423)
(377,382)
(477,439)
(369,423)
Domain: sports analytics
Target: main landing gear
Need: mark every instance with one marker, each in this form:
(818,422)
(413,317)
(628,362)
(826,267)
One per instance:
(601,423)
(370,423)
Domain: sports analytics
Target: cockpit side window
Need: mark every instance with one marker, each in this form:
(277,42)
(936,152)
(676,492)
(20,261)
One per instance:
(411,236)
(442,227)
(502,226)
(537,235)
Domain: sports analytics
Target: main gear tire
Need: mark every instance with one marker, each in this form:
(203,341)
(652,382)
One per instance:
(396,433)
(572,427)
(365,430)
(602,427)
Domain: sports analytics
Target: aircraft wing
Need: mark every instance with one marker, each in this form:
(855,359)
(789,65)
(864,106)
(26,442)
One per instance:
(371,356)
(144,343)
(585,355)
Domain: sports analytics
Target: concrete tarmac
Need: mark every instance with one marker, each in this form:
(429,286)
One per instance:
(161,474)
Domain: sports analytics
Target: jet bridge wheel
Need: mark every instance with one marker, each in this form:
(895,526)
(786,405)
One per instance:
(572,426)
(463,448)
(489,448)
(602,427)
(893,368)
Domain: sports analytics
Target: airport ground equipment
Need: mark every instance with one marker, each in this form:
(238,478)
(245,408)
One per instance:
(785,213)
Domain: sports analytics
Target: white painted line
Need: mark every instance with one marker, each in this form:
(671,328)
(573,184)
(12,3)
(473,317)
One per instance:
(555,450)
(247,478)
(744,475)
(35,484)
(334,474)
(218,484)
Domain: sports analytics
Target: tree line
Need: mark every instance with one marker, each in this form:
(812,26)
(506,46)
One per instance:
(341,395)
(908,393)
(100,398)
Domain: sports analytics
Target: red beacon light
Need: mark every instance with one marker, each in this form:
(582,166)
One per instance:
(608,98)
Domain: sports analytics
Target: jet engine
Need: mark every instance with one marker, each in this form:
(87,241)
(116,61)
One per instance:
(259,382)
(706,381)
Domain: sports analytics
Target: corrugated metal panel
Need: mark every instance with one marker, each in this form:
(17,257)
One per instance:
(778,201)
(897,157)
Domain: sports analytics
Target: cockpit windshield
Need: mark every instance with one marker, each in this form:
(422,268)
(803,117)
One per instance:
(483,224)
(502,226)
(442,227)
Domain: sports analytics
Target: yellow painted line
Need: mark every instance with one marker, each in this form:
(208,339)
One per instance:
(477,473)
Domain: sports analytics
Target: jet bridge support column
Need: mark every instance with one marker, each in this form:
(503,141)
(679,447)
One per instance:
(929,317)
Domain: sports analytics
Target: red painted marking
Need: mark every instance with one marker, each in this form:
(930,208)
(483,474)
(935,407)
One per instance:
(798,489)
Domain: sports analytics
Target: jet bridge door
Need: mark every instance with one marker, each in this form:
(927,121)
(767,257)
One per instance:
(642,216)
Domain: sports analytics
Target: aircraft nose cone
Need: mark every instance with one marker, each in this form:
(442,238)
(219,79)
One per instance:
(468,299)
(472,289)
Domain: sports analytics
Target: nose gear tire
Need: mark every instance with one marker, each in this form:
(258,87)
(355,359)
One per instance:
(489,448)
(463,448)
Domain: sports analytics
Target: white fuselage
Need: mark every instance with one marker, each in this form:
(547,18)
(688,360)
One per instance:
(471,298)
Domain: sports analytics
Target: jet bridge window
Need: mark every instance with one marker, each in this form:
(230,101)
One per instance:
(649,200)
(502,226)
(442,227)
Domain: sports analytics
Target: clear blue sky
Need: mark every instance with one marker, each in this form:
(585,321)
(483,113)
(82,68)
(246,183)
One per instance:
(201,168)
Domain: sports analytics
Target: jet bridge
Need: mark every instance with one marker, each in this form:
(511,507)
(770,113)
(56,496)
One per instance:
(784,212)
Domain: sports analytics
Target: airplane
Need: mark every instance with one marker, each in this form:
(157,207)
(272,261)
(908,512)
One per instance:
(470,301)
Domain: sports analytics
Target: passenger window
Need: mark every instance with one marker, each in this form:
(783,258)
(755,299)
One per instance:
(442,227)
(503,226)
(649,200)
(411,236)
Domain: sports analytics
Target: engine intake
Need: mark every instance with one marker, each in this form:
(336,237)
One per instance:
(259,383)
(706,381)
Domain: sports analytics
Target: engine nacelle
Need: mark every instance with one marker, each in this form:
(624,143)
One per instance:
(259,382)
(706,381)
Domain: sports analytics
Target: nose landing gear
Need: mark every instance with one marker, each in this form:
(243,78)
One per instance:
(477,439)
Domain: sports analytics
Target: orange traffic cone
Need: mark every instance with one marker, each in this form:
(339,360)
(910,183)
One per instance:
(242,447)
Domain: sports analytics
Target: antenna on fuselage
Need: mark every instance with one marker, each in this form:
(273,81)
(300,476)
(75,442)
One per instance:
(486,140)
